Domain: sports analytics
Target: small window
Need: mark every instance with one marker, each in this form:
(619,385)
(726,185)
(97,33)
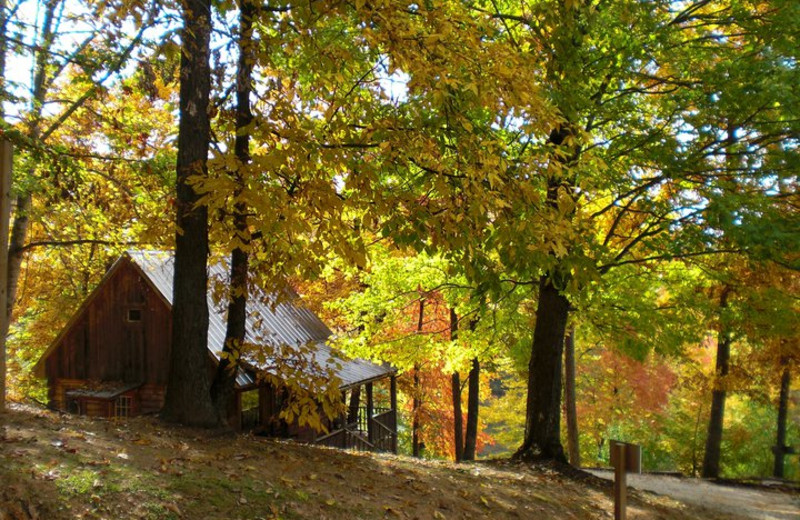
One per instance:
(122,407)
(134,314)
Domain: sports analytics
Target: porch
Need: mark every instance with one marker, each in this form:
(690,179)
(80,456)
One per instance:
(368,427)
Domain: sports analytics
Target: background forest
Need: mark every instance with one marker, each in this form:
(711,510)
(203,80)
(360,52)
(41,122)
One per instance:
(576,220)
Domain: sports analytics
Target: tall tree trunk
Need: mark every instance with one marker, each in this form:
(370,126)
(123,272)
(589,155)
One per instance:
(19,230)
(416,405)
(783,411)
(543,414)
(188,397)
(455,387)
(473,404)
(224,385)
(717,415)
(573,448)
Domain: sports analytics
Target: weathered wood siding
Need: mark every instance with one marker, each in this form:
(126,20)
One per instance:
(103,344)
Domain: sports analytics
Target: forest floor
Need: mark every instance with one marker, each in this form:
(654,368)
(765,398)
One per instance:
(55,466)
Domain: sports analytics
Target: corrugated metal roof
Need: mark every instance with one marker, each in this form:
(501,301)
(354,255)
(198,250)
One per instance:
(267,323)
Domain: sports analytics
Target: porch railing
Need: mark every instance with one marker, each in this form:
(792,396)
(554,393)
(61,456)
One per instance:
(355,435)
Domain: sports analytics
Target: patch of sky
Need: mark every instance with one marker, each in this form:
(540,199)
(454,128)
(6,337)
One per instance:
(75,28)
(393,83)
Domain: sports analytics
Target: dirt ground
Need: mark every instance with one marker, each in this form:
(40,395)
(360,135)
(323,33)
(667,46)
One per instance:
(55,466)
(749,502)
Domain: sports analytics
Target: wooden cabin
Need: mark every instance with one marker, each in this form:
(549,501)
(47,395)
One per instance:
(112,358)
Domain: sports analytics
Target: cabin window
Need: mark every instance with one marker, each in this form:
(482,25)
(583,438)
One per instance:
(122,406)
(134,315)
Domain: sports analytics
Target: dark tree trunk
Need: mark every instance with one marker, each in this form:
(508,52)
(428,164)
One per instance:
(188,398)
(223,388)
(717,416)
(543,414)
(573,448)
(416,405)
(355,403)
(783,411)
(458,418)
(455,386)
(473,404)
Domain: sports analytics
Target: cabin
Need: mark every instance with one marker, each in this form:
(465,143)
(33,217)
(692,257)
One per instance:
(112,358)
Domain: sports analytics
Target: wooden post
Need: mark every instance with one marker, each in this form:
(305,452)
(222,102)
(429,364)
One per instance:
(620,481)
(393,406)
(370,413)
(6,161)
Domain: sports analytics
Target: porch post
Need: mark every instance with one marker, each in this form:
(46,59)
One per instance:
(370,413)
(342,419)
(264,405)
(393,406)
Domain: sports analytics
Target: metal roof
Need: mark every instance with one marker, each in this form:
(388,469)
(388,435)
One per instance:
(103,390)
(283,324)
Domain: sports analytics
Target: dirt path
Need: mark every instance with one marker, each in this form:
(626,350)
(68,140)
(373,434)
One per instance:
(751,503)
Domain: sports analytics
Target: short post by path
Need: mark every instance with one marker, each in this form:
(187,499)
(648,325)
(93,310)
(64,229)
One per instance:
(626,458)
(6,154)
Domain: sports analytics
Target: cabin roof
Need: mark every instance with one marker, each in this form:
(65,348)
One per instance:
(284,323)
(268,322)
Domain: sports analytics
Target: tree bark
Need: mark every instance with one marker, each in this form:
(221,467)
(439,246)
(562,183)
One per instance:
(543,414)
(573,447)
(416,405)
(783,411)
(224,385)
(455,387)
(19,230)
(355,403)
(711,457)
(473,404)
(188,398)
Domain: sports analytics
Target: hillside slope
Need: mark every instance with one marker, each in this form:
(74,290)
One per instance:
(55,466)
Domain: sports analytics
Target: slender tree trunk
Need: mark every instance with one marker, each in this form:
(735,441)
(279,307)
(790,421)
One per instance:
(416,404)
(455,386)
(717,415)
(783,411)
(188,397)
(543,415)
(19,230)
(473,404)
(573,448)
(224,385)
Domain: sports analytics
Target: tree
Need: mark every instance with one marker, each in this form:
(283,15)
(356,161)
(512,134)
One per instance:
(717,414)
(223,386)
(188,398)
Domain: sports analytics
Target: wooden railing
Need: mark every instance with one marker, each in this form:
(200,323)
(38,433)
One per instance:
(250,418)
(346,439)
(353,437)
(384,431)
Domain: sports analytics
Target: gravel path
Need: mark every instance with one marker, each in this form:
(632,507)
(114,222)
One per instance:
(742,501)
